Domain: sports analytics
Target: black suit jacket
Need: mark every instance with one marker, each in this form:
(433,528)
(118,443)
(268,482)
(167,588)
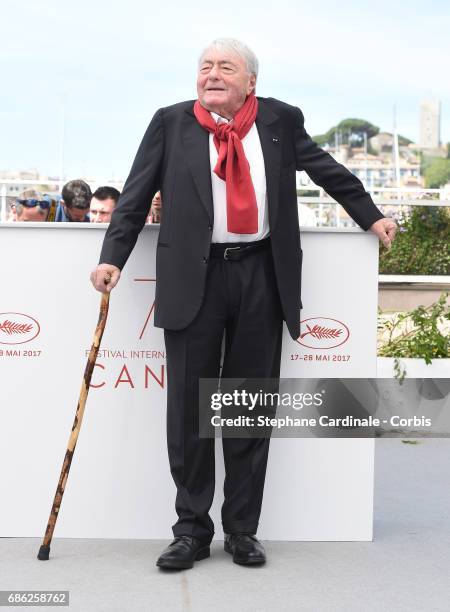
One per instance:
(174,157)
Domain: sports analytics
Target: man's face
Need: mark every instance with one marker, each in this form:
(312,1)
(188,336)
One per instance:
(101,210)
(156,202)
(155,211)
(223,82)
(76,215)
(32,214)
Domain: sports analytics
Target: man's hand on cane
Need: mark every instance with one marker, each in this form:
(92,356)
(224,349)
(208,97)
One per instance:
(385,229)
(105,277)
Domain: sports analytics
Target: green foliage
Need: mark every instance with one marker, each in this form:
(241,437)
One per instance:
(351,131)
(422,243)
(321,139)
(416,333)
(437,172)
(403,141)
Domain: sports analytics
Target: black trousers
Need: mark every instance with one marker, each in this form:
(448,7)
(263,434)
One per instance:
(241,300)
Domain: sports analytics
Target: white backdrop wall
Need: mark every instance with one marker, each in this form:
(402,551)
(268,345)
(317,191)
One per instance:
(120,484)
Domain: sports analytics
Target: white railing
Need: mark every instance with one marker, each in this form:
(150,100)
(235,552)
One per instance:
(406,196)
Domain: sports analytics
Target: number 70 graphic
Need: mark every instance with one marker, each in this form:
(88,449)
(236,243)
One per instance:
(152,306)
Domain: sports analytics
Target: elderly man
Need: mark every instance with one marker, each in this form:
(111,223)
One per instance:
(228,260)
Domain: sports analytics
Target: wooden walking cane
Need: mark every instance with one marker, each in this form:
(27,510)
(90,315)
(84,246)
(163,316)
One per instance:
(44,550)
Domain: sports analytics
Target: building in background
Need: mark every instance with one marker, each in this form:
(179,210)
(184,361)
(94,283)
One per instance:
(12,179)
(430,130)
(374,171)
(430,124)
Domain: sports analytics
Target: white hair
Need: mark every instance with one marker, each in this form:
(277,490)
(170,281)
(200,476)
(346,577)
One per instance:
(233,45)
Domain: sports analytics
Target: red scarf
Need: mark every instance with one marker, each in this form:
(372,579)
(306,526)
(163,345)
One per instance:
(232,165)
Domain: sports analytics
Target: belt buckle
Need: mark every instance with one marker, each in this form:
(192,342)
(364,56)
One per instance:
(225,254)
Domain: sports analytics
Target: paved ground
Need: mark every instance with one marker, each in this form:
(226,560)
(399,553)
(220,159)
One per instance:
(405,568)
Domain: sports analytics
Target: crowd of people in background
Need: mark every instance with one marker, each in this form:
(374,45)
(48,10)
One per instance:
(77,204)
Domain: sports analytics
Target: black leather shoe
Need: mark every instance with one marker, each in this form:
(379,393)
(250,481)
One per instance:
(182,552)
(245,548)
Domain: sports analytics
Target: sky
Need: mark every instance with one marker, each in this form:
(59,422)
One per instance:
(79,82)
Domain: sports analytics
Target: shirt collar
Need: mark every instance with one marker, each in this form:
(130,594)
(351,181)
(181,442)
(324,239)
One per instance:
(215,116)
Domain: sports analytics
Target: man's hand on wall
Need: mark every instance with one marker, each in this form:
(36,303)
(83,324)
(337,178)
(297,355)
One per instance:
(105,277)
(385,229)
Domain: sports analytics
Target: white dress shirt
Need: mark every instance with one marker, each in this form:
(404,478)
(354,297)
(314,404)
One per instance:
(254,155)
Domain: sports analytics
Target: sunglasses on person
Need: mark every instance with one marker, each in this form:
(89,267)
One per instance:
(32,203)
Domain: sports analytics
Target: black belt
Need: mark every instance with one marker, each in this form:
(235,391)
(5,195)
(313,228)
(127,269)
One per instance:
(236,250)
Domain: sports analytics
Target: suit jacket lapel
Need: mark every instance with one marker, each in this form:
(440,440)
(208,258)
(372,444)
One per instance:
(268,125)
(196,144)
